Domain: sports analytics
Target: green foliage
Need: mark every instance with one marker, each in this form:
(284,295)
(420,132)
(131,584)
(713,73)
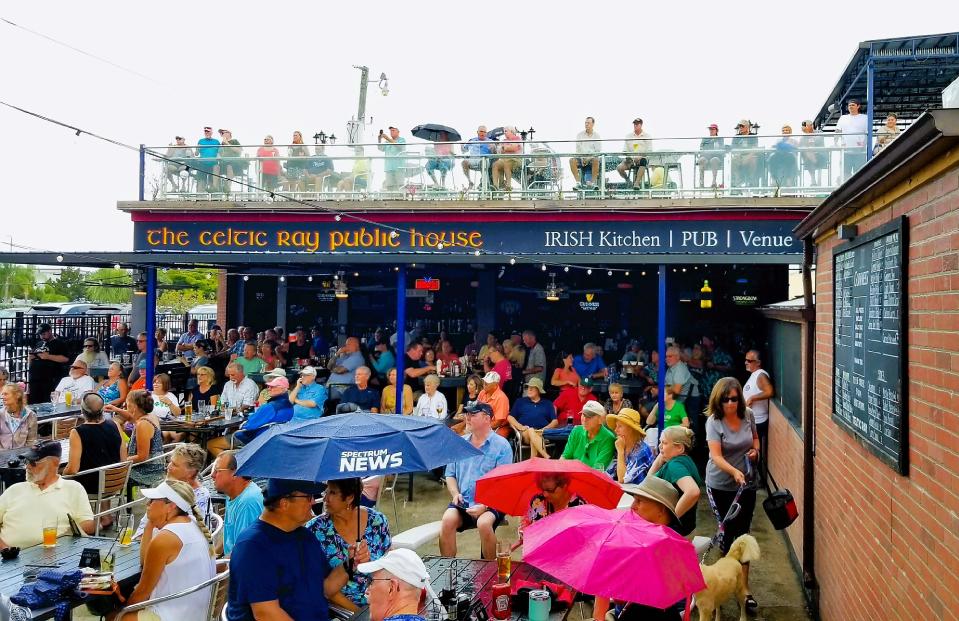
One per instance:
(201,280)
(116,286)
(17,281)
(71,285)
(182,300)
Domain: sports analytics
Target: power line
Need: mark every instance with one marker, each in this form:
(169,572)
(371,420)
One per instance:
(80,51)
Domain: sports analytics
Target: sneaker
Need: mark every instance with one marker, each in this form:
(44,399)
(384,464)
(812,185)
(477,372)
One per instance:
(751,604)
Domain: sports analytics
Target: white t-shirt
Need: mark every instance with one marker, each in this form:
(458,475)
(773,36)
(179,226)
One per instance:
(588,143)
(76,386)
(434,407)
(853,124)
(160,408)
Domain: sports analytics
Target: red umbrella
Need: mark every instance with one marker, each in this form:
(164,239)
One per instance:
(509,488)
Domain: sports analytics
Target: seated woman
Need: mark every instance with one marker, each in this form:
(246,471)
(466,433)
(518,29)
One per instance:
(633,456)
(18,424)
(114,388)
(616,401)
(185,465)
(165,404)
(388,398)
(675,412)
(202,350)
(206,388)
(554,496)
(176,553)
(432,402)
(146,442)
(338,530)
(676,466)
(565,375)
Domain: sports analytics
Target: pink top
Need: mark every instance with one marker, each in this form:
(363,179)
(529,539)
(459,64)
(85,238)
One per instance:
(444,149)
(269,167)
(511,148)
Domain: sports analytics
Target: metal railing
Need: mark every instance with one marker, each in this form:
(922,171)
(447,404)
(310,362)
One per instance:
(786,165)
(18,335)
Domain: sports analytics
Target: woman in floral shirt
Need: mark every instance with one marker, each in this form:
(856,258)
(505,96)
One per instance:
(553,497)
(337,528)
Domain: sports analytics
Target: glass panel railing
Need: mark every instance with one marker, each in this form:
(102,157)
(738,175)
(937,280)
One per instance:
(669,168)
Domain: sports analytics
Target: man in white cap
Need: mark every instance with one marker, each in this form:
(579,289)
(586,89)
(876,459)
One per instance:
(307,396)
(493,395)
(592,442)
(397,580)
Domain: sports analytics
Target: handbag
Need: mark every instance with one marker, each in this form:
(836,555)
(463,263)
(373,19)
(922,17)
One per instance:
(780,507)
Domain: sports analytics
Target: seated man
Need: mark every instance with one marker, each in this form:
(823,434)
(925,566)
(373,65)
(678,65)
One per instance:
(244,500)
(712,152)
(531,415)
(463,512)
(588,148)
(589,364)
(77,382)
(278,409)
(319,170)
(636,146)
(571,400)
(308,397)
(592,442)
(239,391)
(494,396)
(44,498)
(278,569)
(398,579)
(249,361)
(784,160)
(360,393)
(745,157)
(478,149)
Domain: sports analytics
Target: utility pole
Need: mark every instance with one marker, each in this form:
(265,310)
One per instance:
(356,126)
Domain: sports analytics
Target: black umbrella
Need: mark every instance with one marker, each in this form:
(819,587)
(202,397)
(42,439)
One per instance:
(432,131)
(495,133)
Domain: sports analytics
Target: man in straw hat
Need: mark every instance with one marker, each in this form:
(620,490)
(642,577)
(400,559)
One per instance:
(633,456)
(397,581)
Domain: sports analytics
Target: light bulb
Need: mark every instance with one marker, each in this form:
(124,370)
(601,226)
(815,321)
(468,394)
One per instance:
(566,269)
(609,273)
(627,272)
(282,278)
(356,274)
(589,272)
(543,267)
(59,258)
(309,279)
(337,217)
(439,246)
(512,261)
(476,253)
(642,273)
(245,278)
(394,234)
(116,266)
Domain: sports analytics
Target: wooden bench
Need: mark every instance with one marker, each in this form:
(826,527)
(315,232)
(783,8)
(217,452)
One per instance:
(417,536)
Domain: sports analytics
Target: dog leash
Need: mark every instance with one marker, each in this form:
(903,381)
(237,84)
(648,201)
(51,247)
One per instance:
(733,511)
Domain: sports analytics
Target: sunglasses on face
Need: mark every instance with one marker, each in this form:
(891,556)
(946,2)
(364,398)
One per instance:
(76,367)
(730,400)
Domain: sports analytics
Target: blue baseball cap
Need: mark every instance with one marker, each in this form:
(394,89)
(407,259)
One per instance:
(479,408)
(278,488)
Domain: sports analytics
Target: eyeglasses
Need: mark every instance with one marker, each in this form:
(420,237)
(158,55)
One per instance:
(729,400)
(751,360)
(90,346)
(309,497)
(75,367)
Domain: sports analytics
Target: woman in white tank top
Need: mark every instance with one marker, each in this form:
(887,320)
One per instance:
(180,553)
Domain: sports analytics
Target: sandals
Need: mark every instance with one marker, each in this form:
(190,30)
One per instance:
(751,604)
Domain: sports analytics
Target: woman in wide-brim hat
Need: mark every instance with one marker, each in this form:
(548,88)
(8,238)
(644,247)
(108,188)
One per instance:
(633,456)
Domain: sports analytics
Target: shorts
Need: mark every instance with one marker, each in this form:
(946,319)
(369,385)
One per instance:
(474,163)
(586,161)
(469,522)
(635,162)
(512,161)
(443,164)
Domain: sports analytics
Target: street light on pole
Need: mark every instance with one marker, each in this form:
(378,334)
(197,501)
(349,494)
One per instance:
(357,124)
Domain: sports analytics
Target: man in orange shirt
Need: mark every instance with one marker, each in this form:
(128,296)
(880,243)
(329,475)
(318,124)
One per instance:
(497,399)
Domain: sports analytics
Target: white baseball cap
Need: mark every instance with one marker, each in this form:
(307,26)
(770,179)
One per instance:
(405,564)
(491,378)
(307,371)
(164,492)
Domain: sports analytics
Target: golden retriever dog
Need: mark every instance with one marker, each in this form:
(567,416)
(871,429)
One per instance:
(724,579)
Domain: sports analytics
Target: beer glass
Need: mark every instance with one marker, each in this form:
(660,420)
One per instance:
(126,531)
(50,527)
(504,552)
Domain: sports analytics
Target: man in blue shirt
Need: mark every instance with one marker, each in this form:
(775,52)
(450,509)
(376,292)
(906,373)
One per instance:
(244,500)
(589,364)
(277,410)
(343,365)
(208,148)
(307,396)
(278,569)
(531,415)
(394,165)
(478,148)
(464,513)
(360,393)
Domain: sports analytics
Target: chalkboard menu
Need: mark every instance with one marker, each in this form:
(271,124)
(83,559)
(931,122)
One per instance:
(869,371)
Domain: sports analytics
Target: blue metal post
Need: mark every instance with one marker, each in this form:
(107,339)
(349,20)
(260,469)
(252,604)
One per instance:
(400,334)
(151,322)
(143,171)
(661,346)
(870,102)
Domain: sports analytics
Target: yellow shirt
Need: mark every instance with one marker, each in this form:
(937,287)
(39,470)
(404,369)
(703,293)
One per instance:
(24,508)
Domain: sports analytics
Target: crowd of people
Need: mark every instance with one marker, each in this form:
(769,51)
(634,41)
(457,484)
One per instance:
(515,403)
(215,162)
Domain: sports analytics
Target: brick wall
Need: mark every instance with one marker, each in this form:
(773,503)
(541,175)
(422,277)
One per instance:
(887,547)
(785,466)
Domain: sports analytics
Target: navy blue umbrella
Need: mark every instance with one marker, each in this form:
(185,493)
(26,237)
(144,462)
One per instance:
(432,131)
(352,445)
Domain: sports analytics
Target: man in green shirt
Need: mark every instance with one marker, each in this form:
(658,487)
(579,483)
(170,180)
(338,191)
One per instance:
(249,361)
(591,442)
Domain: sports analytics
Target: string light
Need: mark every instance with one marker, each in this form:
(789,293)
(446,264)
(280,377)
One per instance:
(282,278)
(476,253)
(59,258)
(512,260)
(627,272)
(439,246)
(337,217)
(566,269)
(589,272)
(309,279)
(246,278)
(543,267)
(609,273)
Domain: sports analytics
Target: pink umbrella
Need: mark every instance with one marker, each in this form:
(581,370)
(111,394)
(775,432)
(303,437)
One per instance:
(616,554)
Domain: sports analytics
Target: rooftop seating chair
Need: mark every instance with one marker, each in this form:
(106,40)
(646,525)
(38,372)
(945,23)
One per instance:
(218,583)
(111,485)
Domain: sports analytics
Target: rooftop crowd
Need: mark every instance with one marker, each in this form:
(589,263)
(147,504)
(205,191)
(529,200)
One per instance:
(212,165)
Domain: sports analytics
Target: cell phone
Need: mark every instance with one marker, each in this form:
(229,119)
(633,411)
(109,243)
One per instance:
(381,132)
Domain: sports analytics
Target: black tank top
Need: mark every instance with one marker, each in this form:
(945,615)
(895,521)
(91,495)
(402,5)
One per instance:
(101,447)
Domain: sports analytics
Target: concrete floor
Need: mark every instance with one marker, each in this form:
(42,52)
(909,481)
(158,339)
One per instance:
(774,582)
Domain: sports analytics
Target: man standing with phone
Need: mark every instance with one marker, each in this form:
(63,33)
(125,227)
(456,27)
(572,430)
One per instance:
(394,165)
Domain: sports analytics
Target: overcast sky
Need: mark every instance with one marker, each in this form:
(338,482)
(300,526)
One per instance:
(274,67)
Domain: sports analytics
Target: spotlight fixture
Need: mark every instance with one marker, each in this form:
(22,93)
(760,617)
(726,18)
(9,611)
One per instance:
(282,278)
(627,272)
(566,269)
(59,258)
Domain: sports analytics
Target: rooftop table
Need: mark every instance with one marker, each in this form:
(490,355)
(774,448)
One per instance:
(477,578)
(46,411)
(65,555)
(203,429)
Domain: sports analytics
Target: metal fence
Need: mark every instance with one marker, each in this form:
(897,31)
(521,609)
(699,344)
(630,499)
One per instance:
(18,335)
